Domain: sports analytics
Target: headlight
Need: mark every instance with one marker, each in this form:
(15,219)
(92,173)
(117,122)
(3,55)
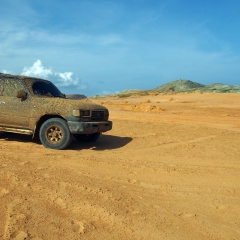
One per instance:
(76,112)
(81,113)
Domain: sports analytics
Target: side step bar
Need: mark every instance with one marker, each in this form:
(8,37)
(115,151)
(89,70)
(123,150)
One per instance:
(16,130)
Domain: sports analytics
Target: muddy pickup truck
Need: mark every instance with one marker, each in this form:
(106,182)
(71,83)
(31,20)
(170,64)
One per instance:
(36,107)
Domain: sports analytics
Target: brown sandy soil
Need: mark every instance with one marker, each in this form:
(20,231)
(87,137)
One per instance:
(169,169)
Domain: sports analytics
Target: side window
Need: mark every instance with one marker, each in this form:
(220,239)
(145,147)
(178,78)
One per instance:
(11,87)
(1,86)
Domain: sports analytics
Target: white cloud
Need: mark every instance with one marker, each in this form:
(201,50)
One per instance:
(65,79)
(37,70)
(6,72)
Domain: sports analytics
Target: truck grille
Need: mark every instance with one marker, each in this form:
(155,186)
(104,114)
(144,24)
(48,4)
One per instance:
(97,116)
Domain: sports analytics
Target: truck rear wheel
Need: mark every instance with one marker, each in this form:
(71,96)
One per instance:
(87,137)
(54,133)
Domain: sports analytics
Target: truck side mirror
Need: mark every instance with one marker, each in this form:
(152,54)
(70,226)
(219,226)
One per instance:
(21,94)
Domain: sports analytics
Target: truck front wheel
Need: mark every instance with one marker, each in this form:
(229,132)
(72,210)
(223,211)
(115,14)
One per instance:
(54,133)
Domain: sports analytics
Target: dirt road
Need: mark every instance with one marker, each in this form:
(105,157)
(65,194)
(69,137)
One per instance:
(169,169)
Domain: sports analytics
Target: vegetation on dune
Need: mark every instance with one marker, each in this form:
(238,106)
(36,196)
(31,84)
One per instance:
(177,86)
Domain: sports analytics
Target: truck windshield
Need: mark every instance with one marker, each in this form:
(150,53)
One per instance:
(46,88)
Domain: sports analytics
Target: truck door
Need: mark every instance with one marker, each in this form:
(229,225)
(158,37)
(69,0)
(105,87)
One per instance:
(14,111)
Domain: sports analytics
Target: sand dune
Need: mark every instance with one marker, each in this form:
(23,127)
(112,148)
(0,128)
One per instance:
(169,169)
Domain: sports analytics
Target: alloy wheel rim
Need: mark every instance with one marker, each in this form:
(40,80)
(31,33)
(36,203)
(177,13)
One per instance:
(54,134)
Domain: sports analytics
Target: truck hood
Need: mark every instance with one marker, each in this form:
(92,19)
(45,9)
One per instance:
(62,106)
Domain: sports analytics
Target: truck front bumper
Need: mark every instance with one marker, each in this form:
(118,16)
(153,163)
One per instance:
(89,127)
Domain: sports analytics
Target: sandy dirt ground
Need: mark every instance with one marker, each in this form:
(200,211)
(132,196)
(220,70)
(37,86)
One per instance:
(169,169)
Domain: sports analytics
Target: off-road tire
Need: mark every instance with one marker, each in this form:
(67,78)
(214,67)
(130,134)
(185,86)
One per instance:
(54,133)
(87,137)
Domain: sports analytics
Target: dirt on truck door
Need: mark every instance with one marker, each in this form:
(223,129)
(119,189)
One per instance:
(14,111)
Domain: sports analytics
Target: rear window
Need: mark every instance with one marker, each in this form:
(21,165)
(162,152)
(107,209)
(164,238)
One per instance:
(9,87)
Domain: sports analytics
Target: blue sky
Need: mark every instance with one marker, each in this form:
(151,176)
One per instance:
(100,47)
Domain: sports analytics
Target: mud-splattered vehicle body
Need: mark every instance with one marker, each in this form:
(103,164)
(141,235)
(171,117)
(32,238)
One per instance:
(36,107)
